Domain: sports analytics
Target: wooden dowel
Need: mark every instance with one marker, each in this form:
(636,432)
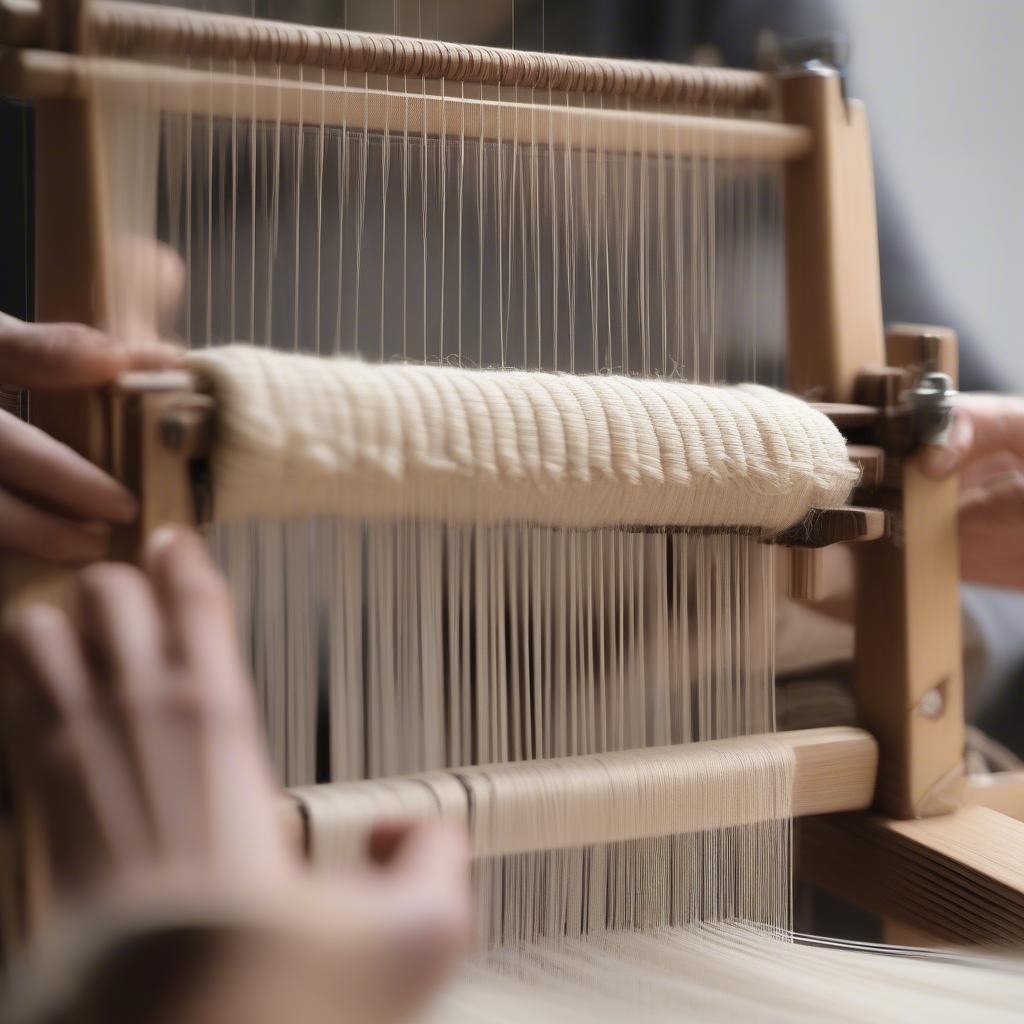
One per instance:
(36,74)
(133,29)
(833,770)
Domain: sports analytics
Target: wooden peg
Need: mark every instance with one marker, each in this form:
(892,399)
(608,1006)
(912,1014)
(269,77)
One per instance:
(821,528)
(806,577)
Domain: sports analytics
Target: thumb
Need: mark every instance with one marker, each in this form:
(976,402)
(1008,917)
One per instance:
(991,526)
(983,425)
(69,356)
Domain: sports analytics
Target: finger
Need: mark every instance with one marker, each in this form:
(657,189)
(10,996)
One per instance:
(433,851)
(28,529)
(431,921)
(124,634)
(987,468)
(214,697)
(197,612)
(39,467)
(386,839)
(63,756)
(982,426)
(69,356)
(121,622)
(153,276)
(401,930)
(991,525)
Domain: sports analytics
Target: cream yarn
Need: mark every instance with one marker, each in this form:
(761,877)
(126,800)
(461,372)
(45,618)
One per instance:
(304,436)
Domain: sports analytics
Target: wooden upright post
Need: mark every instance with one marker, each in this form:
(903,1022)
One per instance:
(71,285)
(72,247)
(908,675)
(834,290)
(71,272)
(909,672)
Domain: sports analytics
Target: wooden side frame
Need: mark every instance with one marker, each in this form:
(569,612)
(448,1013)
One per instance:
(832,269)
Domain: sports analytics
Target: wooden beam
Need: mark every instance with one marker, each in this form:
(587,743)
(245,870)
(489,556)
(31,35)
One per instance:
(833,769)
(36,74)
(959,877)
(998,791)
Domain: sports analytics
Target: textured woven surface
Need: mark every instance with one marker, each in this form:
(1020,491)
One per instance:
(303,436)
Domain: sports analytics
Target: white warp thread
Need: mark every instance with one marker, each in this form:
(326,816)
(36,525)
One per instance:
(304,436)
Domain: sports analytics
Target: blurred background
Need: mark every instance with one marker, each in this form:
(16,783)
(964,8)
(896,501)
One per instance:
(941,79)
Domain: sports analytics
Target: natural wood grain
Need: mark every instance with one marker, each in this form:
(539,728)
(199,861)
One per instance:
(908,673)
(834,303)
(959,877)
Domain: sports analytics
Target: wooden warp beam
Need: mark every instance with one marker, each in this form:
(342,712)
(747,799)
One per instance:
(41,74)
(132,29)
(298,435)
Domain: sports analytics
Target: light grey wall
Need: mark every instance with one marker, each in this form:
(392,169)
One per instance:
(943,81)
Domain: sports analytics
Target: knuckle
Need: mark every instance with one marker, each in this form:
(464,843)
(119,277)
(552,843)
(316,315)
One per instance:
(65,543)
(198,707)
(203,588)
(28,628)
(442,938)
(108,577)
(67,340)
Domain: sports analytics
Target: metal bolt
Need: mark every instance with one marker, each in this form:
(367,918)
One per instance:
(933,407)
(932,704)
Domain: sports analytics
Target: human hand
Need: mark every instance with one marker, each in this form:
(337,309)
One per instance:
(133,729)
(54,504)
(986,447)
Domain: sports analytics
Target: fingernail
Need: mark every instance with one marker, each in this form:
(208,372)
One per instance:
(938,460)
(170,346)
(159,541)
(166,348)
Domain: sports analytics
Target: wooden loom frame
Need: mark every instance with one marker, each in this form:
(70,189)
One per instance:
(908,649)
